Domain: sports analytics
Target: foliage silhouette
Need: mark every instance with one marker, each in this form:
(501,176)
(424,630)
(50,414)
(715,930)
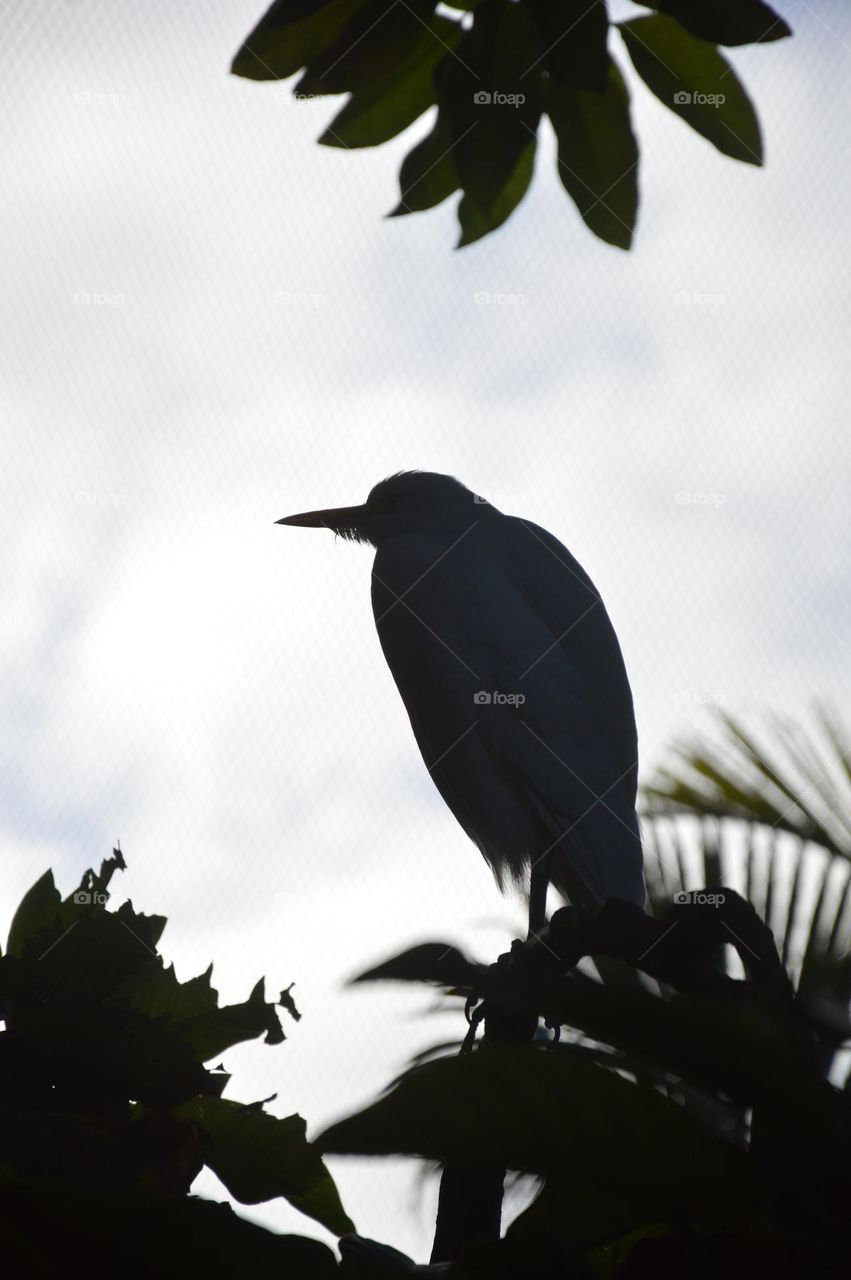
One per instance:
(493,68)
(621,1159)
(746,1061)
(109,1110)
(691,1121)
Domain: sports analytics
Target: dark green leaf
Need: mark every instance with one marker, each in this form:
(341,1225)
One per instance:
(598,155)
(192,1008)
(289,35)
(391,102)
(259,1156)
(382,36)
(489,95)
(36,918)
(211,1032)
(154,989)
(726,21)
(558,1115)
(571,37)
(436,962)
(428,174)
(82,1054)
(92,1152)
(692,79)
(44,1235)
(475,224)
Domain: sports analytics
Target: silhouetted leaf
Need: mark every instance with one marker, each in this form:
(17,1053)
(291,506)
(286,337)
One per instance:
(557,1115)
(289,35)
(45,1235)
(428,173)
(259,1156)
(474,223)
(436,962)
(692,79)
(767,783)
(770,785)
(792,909)
(192,1009)
(213,1032)
(571,36)
(726,21)
(490,100)
(91,1152)
(598,155)
(37,916)
(381,36)
(389,103)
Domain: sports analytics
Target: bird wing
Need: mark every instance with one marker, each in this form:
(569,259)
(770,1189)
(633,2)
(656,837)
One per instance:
(550,759)
(579,708)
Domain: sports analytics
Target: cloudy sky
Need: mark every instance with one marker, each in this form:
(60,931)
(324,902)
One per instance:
(207,325)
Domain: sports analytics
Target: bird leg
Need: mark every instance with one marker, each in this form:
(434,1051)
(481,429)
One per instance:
(539,883)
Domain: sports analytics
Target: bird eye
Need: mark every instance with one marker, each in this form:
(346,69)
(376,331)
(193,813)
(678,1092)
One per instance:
(387,504)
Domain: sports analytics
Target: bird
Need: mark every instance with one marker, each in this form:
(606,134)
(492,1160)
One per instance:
(514,683)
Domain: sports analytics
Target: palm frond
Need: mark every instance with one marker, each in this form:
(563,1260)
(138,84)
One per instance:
(789,782)
(771,812)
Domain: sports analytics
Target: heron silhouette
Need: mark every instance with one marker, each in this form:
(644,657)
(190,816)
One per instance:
(514,683)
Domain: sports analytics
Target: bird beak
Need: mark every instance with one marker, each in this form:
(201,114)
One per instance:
(330,518)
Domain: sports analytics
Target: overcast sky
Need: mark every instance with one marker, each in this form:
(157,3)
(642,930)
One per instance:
(207,325)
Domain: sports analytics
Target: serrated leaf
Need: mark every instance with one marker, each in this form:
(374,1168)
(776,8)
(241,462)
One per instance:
(147,930)
(598,155)
(696,82)
(289,35)
(156,991)
(729,22)
(259,1156)
(211,1033)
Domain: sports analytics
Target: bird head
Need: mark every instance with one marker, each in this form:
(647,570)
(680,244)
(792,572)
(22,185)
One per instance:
(408,502)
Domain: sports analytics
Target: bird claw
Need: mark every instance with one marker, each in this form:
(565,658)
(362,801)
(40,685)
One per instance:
(474,1017)
(555,1027)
